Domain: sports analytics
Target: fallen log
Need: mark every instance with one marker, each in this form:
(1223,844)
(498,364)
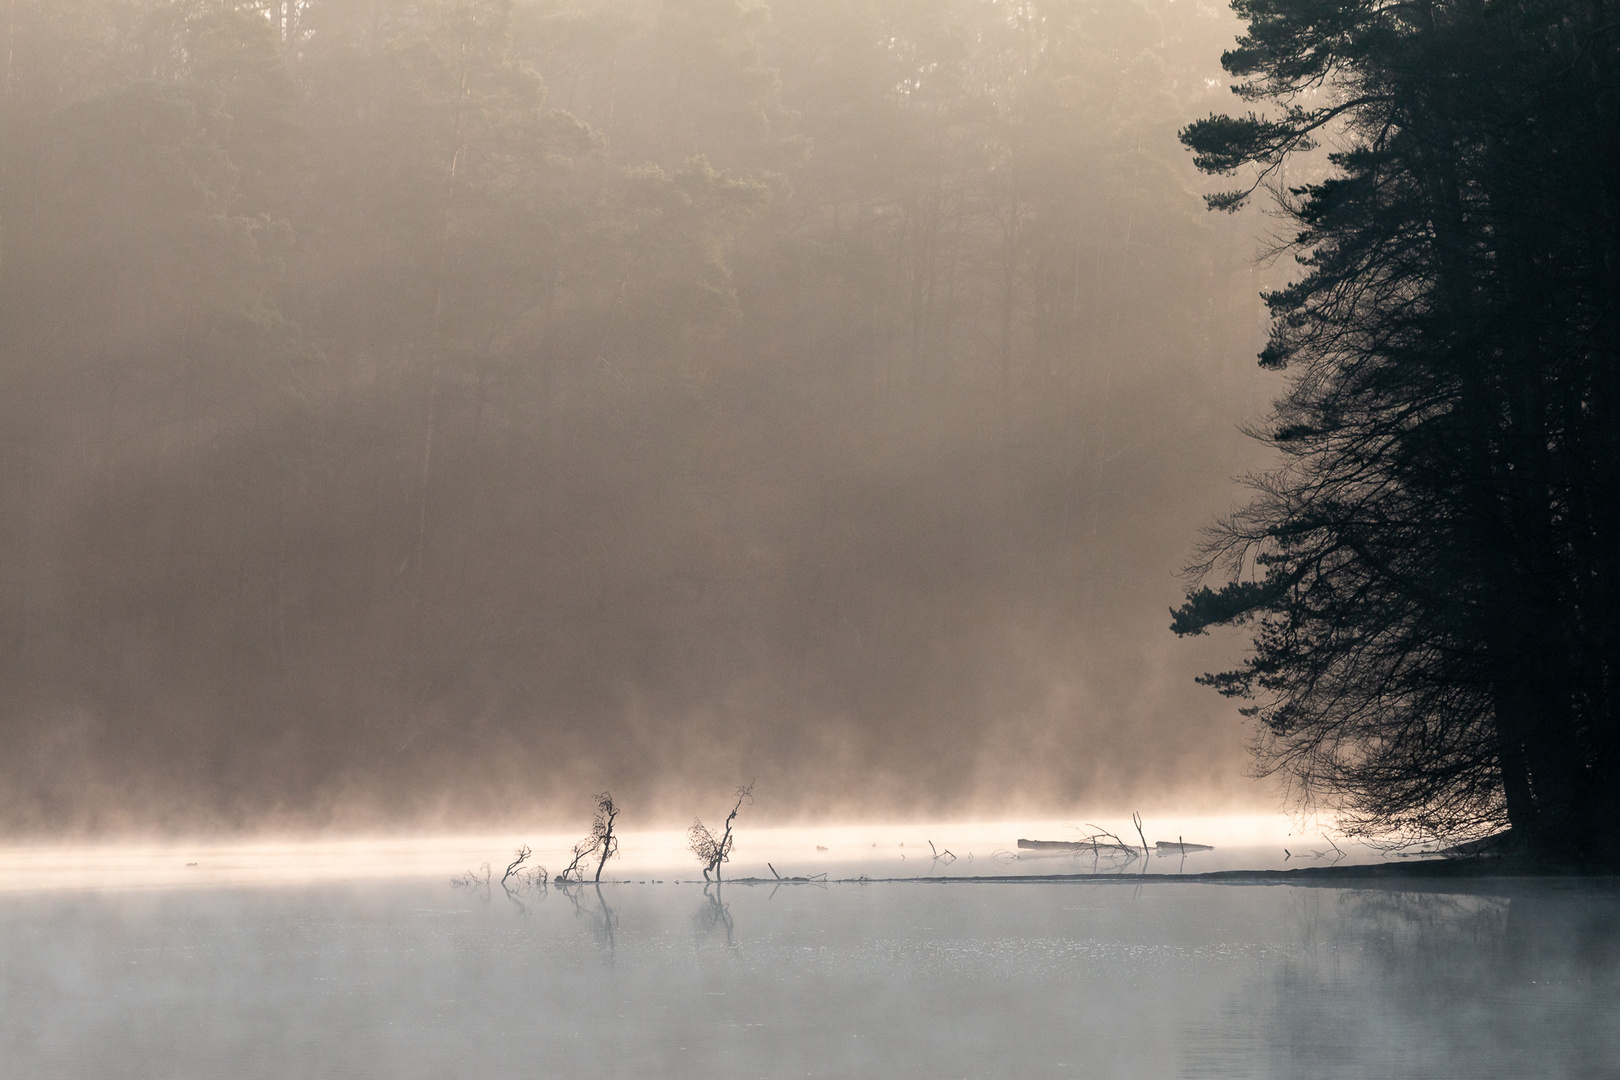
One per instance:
(1078,845)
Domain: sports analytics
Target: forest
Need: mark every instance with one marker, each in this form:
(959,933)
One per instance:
(428,408)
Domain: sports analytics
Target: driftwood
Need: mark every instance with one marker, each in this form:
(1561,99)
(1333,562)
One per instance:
(1102,846)
(1103,842)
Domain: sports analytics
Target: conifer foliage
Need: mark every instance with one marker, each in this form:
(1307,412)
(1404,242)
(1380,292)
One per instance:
(1433,574)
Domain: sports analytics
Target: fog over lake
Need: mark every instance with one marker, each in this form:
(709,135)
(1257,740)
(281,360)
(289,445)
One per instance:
(411,978)
(812,538)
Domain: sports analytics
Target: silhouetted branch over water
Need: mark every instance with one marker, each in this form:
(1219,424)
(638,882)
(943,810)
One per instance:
(711,850)
(602,843)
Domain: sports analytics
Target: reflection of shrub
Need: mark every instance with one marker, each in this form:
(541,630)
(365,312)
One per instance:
(715,914)
(713,850)
(472,879)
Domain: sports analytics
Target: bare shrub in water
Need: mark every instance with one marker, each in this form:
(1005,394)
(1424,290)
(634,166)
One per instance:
(602,842)
(713,850)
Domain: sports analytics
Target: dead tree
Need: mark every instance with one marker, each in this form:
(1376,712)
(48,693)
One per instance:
(603,843)
(574,871)
(1136,819)
(713,850)
(523,854)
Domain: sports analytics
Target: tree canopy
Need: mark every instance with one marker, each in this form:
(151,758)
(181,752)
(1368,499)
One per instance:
(1433,574)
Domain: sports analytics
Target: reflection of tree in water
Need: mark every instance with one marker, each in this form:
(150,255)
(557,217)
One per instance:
(522,892)
(1428,984)
(603,920)
(714,914)
(474,883)
(1539,935)
(605,923)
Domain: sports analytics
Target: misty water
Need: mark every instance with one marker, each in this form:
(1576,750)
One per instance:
(379,976)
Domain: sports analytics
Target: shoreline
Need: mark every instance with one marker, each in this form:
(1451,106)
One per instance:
(1436,875)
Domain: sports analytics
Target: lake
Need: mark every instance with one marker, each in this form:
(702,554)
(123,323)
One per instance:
(408,977)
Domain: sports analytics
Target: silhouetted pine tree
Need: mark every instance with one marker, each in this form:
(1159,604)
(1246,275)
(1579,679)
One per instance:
(1434,573)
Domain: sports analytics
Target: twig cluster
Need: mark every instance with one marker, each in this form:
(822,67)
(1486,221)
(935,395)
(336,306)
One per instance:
(713,850)
(473,879)
(602,843)
(523,874)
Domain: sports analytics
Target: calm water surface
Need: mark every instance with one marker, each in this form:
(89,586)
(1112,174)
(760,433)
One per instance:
(412,978)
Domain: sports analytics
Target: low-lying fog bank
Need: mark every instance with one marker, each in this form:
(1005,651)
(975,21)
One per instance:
(414,979)
(847,850)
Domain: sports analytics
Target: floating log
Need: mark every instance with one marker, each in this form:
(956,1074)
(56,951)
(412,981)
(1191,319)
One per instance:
(1077,845)
(1173,845)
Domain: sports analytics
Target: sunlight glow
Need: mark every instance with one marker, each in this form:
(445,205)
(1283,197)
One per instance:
(872,849)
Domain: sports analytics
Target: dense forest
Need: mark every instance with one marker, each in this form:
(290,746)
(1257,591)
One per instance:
(435,408)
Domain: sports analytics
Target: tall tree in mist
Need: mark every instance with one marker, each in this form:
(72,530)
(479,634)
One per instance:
(1434,574)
